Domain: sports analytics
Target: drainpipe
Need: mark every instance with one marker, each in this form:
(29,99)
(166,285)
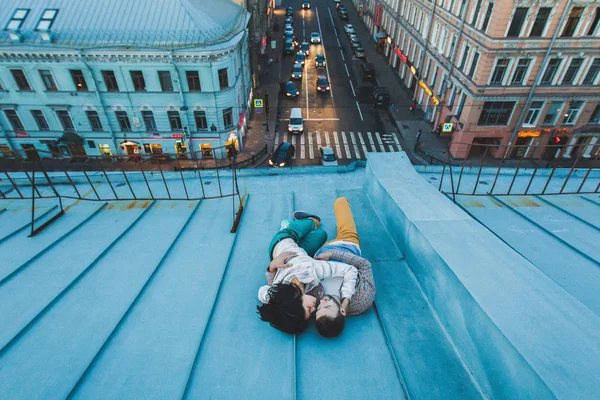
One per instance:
(13,148)
(184,108)
(463,18)
(422,57)
(538,78)
(245,92)
(87,66)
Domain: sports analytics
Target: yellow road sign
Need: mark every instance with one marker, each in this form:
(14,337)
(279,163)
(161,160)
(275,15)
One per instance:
(447,127)
(258,103)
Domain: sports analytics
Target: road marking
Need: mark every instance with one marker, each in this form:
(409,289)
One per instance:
(352,87)
(324,54)
(276,142)
(331,17)
(347,73)
(357,106)
(294,139)
(354,143)
(397,141)
(362,144)
(327,138)
(339,44)
(337,144)
(311,153)
(371,141)
(321,119)
(318,139)
(302,152)
(346,145)
(303,28)
(342,53)
(380,142)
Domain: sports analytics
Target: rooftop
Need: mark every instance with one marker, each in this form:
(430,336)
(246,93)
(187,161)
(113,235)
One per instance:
(491,297)
(88,24)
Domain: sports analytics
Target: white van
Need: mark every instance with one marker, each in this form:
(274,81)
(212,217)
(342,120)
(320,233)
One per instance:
(296,124)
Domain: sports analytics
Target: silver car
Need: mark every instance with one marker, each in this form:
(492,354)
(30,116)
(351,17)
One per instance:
(328,156)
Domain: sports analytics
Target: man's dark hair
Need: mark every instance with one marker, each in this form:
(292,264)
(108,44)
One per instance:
(284,310)
(331,327)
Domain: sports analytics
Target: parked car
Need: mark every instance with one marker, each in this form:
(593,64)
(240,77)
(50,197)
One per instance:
(290,35)
(355,42)
(320,60)
(359,52)
(367,71)
(322,84)
(289,46)
(304,48)
(340,7)
(289,21)
(282,156)
(300,58)
(351,35)
(315,38)
(344,15)
(289,11)
(328,156)
(288,29)
(297,71)
(348,28)
(306,4)
(381,96)
(290,89)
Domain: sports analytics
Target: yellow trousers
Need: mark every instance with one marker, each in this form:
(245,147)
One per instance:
(346,228)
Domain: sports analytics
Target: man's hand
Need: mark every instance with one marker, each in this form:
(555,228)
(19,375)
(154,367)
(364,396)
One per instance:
(324,256)
(344,306)
(281,261)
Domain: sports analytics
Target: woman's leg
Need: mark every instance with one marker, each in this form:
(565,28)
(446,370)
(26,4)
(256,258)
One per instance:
(313,241)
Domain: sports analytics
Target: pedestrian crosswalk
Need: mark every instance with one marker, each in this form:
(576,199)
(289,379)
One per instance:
(346,145)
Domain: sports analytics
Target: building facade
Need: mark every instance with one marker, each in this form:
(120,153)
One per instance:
(499,73)
(105,77)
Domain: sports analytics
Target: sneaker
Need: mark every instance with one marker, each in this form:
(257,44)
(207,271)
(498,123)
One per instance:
(284,224)
(299,214)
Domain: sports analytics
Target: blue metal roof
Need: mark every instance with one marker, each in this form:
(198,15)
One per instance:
(133,23)
(102,305)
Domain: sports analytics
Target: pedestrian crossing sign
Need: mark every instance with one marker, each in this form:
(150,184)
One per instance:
(258,103)
(447,127)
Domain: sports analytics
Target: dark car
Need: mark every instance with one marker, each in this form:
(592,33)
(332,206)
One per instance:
(282,156)
(320,60)
(304,47)
(306,4)
(290,35)
(322,84)
(290,89)
(340,7)
(344,15)
(381,96)
(289,11)
(289,46)
(300,58)
(359,52)
(367,71)
(297,71)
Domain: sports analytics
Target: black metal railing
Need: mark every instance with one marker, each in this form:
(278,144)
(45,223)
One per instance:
(186,176)
(545,166)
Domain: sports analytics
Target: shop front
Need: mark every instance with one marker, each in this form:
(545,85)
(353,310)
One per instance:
(132,149)
(71,144)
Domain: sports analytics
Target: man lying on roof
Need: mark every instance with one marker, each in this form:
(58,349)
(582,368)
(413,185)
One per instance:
(298,285)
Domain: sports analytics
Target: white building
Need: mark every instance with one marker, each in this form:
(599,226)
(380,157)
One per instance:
(92,77)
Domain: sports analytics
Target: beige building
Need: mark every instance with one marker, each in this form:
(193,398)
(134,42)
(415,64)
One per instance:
(502,72)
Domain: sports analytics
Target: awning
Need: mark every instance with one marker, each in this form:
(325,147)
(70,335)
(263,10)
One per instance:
(129,143)
(70,138)
(381,35)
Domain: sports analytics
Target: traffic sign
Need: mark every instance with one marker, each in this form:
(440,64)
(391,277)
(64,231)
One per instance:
(447,127)
(259,110)
(258,103)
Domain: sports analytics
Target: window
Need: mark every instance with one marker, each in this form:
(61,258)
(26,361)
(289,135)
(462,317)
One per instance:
(540,22)
(452,98)
(572,71)
(65,120)
(166,84)
(200,118)
(149,122)
(517,22)
(14,120)
(552,113)
(46,20)
(78,80)
(572,113)
(40,120)
(139,84)
(110,80)
(594,23)
(595,118)
(476,13)
(464,57)
(488,16)
(496,112)
(521,71)
(533,114)
(193,81)
(473,65)
(223,79)
(227,117)
(174,120)
(551,69)
(17,19)
(590,77)
(498,75)
(572,22)
(21,80)
(461,105)
(94,121)
(428,70)
(123,121)
(48,80)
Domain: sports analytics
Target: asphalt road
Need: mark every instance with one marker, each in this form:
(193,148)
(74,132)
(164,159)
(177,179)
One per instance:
(342,118)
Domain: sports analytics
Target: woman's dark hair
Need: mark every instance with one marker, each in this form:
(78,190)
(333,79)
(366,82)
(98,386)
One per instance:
(284,310)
